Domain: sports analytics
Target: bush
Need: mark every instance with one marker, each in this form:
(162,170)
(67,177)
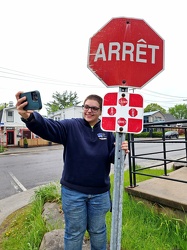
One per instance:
(2,149)
(157,134)
(149,135)
(25,141)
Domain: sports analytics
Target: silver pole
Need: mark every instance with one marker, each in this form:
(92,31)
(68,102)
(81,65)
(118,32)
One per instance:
(115,241)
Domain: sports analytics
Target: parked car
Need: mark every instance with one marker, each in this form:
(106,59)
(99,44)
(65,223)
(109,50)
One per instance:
(171,134)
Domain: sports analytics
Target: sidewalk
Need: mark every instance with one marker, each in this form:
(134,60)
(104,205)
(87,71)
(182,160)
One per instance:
(165,192)
(17,150)
(15,202)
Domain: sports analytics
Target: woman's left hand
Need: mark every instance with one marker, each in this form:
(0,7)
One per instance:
(124,146)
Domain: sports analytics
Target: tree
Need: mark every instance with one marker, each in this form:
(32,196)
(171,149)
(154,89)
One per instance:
(3,105)
(179,111)
(62,101)
(154,107)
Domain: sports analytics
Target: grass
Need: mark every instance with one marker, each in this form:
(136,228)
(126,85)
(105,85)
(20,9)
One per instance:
(24,229)
(150,227)
(2,149)
(144,225)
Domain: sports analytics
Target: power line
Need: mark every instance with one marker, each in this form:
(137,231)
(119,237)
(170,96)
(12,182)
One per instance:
(22,76)
(34,78)
(163,95)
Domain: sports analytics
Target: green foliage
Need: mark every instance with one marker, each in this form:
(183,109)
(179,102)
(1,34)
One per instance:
(3,105)
(154,107)
(150,229)
(142,135)
(179,111)
(2,149)
(27,228)
(143,225)
(153,134)
(62,101)
(49,192)
(25,141)
(156,134)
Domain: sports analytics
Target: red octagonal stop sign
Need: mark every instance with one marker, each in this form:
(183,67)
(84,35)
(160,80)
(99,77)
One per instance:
(121,121)
(133,112)
(126,52)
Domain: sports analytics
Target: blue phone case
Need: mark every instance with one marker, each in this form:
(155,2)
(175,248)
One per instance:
(33,99)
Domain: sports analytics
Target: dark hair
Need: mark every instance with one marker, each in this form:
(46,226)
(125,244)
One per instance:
(95,98)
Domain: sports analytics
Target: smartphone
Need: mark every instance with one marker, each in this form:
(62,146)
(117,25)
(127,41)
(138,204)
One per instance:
(33,99)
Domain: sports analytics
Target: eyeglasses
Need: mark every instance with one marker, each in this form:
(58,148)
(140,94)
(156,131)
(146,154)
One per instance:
(93,109)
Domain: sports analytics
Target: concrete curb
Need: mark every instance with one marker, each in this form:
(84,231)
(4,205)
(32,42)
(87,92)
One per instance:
(18,150)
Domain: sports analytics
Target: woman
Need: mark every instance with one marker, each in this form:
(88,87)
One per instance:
(88,153)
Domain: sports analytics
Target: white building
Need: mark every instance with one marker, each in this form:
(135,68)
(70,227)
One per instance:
(67,113)
(11,126)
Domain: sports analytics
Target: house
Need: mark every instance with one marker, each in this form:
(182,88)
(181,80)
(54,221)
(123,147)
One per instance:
(67,113)
(153,116)
(157,116)
(11,126)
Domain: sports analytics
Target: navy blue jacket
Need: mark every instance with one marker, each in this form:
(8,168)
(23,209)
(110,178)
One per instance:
(88,152)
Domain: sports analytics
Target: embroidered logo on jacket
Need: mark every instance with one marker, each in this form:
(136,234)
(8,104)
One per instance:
(102,136)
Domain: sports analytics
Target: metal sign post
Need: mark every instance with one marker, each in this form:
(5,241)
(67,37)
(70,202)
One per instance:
(115,241)
(122,113)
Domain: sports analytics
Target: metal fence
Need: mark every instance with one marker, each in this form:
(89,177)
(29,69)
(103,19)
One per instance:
(164,160)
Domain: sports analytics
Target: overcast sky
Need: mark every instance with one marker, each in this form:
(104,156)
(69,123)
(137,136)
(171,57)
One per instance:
(44,46)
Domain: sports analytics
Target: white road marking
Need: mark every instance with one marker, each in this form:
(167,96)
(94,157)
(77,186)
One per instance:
(17,182)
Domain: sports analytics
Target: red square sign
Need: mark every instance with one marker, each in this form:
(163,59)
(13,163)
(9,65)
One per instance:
(122,112)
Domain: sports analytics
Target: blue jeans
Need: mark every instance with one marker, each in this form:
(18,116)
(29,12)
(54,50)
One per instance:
(84,212)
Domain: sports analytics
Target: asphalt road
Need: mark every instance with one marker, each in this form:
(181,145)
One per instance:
(29,168)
